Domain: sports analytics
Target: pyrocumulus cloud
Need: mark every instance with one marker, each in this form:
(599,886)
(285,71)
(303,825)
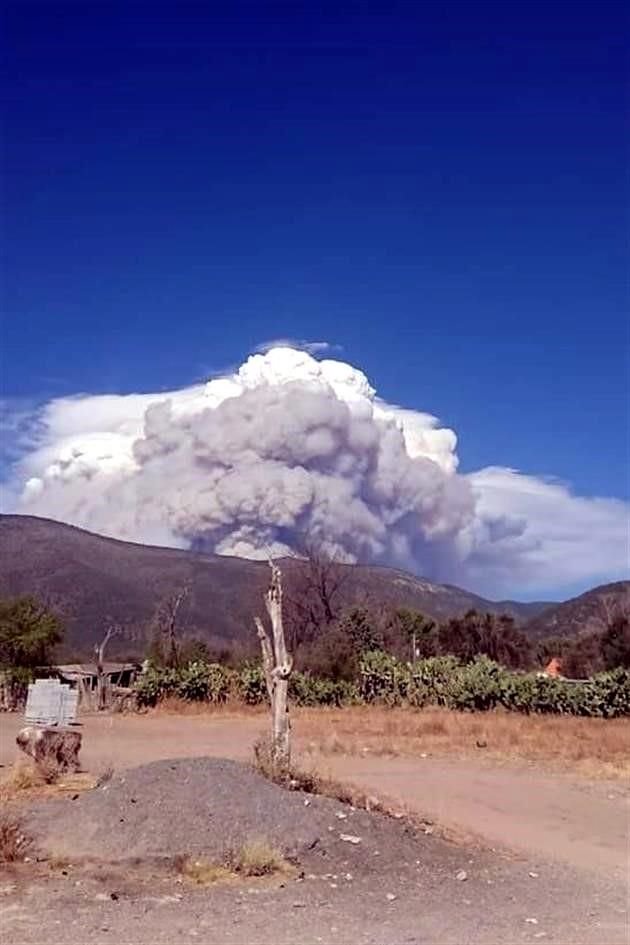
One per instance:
(290,447)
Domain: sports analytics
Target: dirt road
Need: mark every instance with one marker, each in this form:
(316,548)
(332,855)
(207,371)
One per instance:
(582,824)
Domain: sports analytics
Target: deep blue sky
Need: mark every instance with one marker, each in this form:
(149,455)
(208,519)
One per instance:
(439,188)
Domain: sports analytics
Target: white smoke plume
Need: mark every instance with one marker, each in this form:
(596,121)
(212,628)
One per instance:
(289,448)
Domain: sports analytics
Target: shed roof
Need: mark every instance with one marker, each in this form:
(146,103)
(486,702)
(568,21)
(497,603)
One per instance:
(89,669)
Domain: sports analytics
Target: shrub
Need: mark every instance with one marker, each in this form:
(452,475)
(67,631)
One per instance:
(610,693)
(251,687)
(14,843)
(257,858)
(204,682)
(155,685)
(475,686)
(306,690)
(384,679)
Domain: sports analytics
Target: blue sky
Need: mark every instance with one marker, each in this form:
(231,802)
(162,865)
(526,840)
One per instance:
(438,188)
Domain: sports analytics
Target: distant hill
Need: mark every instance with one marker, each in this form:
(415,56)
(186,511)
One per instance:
(590,611)
(90,579)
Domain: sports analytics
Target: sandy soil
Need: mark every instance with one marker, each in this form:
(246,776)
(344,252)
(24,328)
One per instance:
(584,824)
(571,834)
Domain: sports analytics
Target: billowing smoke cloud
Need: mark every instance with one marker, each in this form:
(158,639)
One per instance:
(291,448)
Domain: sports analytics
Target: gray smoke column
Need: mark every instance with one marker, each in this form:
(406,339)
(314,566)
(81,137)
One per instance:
(286,449)
(280,463)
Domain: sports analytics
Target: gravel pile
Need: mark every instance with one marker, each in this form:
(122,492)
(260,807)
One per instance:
(207,807)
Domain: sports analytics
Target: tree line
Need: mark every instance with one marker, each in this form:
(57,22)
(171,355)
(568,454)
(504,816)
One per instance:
(328,631)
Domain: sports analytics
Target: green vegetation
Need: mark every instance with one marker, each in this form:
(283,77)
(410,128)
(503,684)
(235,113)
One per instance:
(478,686)
(215,684)
(484,684)
(29,631)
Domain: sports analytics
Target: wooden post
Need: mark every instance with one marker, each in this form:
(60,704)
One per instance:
(277,666)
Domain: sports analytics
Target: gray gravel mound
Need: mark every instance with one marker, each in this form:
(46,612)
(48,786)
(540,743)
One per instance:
(207,807)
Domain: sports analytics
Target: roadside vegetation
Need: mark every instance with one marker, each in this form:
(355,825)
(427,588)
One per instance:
(353,653)
(478,686)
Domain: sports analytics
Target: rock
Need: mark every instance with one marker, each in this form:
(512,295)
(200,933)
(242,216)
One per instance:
(307,802)
(533,875)
(481,743)
(58,748)
(391,897)
(461,875)
(349,838)
(340,815)
(532,921)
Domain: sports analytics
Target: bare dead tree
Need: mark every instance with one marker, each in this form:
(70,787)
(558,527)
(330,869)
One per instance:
(277,665)
(99,653)
(315,593)
(167,624)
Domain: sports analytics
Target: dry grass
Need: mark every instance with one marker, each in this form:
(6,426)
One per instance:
(200,872)
(173,705)
(255,858)
(311,781)
(258,858)
(591,747)
(24,780)
(20,777)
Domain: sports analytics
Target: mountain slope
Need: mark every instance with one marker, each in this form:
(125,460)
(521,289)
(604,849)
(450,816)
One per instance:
(590,611)
(91,579)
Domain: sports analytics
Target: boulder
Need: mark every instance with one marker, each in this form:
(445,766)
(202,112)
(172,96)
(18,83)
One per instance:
(51,746)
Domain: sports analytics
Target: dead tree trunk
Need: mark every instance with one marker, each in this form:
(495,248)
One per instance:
(277,665)
(99,652)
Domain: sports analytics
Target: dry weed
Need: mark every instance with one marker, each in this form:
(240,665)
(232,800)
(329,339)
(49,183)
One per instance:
(14,843)
(258,858)
(255,858)
(20,777)
(104,774)
(25,779)
(311,781)
(200,872)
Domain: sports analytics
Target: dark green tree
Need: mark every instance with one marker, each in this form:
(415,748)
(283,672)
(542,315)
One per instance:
(28,633)
(616,643)
(357,624)
(418,633)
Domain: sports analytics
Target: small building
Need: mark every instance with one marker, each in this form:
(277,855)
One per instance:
(84,675)
(554,667)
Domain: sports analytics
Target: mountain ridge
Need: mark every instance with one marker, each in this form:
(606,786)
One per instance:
(91,579)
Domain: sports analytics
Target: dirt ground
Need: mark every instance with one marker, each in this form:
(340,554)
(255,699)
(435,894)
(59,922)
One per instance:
(558,870)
